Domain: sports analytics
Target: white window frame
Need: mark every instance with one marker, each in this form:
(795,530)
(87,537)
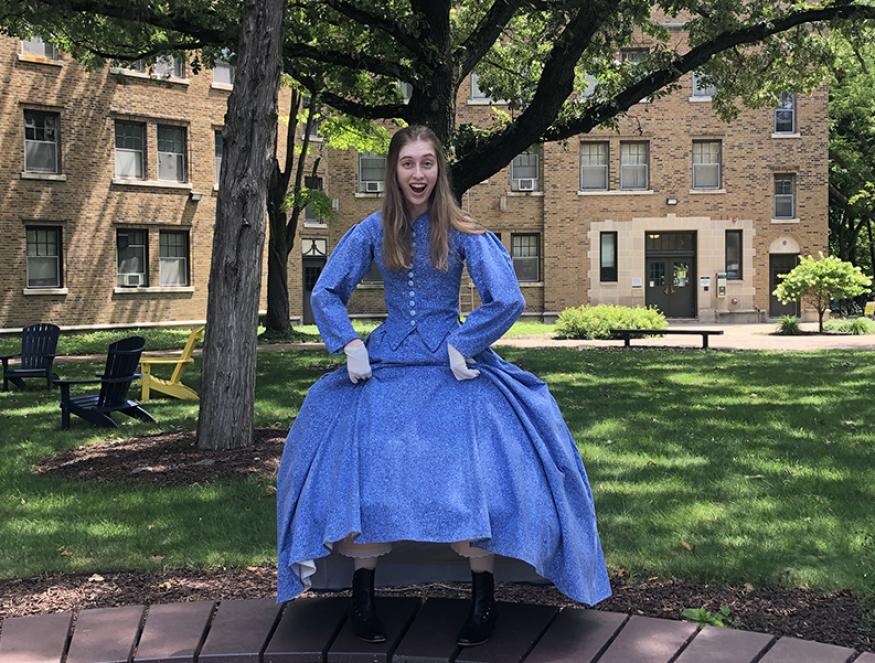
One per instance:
(605,154)
(169,67)
(781,108)
(218,148)
(625,166)
(518,183)
(784,197)
(164,262)
(700,167)
(38,47)
(406,91)
(55,144)
(477,95)
(124,279)
(224,71)
(58,283)
(313,182)
(699,91)
(178,159)
(129,150)
(370,186)
(521,262)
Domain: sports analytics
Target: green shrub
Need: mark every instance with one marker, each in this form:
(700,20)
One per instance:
(591,322)
(855,326)
(789,326)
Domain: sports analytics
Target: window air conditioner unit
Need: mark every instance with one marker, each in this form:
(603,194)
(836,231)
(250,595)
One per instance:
(373,187)
(526,184)
(131,279)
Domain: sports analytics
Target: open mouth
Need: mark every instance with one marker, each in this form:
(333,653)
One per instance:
(418,188)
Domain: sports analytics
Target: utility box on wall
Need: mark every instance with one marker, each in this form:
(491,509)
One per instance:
(721,284)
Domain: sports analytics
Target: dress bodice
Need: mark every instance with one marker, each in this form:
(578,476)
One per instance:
(421,300)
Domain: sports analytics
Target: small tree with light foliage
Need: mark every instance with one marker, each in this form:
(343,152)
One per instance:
(820,281)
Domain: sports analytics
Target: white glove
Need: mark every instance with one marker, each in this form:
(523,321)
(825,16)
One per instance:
(459,365)
(358,364)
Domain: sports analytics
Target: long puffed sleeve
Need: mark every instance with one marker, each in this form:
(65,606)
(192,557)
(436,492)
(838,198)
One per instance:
(348,263)
(492,271)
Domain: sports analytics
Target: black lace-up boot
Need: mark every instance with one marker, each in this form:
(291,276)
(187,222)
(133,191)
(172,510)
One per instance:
(363,612)
(481,618)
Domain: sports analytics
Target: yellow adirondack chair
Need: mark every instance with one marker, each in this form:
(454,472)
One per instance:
(869,311)
(173,386)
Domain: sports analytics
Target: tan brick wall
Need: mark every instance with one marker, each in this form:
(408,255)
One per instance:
(89,207)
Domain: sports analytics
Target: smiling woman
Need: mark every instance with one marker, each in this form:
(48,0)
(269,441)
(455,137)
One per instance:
(427,436)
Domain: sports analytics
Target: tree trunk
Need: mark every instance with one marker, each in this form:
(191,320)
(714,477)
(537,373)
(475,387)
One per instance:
(277,321)
(227,403)
(871,249)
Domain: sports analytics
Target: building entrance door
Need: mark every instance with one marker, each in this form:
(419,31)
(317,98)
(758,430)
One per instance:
(312,269)
(781,263)
(670,273)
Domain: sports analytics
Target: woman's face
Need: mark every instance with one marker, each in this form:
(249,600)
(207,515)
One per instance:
(417,173)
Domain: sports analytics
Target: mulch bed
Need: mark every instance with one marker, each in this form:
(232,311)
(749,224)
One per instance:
(174,459)
(168,459)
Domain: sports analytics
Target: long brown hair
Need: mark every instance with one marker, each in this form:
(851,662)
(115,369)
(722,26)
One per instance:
(443,210)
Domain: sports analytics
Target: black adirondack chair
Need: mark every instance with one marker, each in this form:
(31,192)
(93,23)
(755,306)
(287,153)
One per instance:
(38,345)
(121,363)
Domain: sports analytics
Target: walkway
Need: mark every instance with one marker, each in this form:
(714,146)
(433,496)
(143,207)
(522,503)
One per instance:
(315,630)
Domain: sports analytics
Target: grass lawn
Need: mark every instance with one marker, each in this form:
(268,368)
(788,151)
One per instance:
(724,467)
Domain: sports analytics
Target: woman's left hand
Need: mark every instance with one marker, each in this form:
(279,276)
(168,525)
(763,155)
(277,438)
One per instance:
(459,365)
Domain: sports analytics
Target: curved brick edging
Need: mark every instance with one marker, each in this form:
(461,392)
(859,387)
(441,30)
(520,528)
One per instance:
(315,630)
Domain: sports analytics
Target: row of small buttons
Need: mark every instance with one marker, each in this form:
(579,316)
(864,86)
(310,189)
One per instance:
(412,292)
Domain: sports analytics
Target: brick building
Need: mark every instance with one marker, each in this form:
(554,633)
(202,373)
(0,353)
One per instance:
(109,197)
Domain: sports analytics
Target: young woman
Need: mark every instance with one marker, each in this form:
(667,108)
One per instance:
(427,435)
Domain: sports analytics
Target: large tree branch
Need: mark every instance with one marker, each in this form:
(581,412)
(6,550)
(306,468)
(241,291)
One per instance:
(344,105)
(203,25)
(695,58)
(392,28)
(357,61)
(554,87)
(482,37)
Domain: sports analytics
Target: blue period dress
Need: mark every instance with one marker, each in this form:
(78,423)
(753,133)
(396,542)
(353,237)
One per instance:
(414,455)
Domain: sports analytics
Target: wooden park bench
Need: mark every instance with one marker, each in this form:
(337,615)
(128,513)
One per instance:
(627,334)
(314,630)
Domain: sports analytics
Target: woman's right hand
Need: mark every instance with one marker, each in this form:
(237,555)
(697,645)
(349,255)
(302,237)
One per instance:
(358,364)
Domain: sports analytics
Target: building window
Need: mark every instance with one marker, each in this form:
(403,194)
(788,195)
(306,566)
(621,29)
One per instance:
(169,66)
(525,250)
(310,213)
(700,88)
(706,164)
(133,258)
(594,166)
(171,153)
(130,153)
(634,55)
(406,90)
(476,93)
(374,274)
(524,171)
(372,172)
(224,71)
(39,47)
(633,166)
(608,256)
(133,65)
(44,269)
(173,258)
(785,196)
(41,141)
(219,146)
(733,254)
(785,114)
